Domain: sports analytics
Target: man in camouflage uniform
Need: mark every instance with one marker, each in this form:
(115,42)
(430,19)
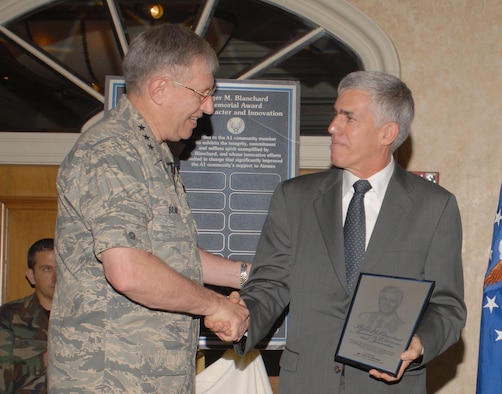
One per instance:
(24,323)
(129,290)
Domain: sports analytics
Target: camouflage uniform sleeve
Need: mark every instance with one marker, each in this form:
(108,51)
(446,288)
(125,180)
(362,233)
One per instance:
(115,197)
(17,374)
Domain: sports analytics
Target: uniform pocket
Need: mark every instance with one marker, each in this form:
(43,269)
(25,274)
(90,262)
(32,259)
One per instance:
(165,363)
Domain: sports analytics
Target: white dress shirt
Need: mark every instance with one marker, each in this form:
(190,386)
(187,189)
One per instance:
(373,198)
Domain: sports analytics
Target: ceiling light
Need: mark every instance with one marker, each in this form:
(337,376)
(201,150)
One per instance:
(157,11)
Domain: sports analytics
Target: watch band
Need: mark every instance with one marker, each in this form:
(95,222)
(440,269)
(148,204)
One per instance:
(244,274)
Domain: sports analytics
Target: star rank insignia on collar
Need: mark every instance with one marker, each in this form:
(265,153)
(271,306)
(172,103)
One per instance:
(141,127)
(147,138)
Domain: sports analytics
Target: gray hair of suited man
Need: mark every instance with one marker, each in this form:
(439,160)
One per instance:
(165,50)
(391,99)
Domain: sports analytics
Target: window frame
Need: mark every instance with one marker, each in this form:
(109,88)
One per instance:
(337,17)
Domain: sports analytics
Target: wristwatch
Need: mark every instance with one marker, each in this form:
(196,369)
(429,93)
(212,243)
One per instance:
(244,273)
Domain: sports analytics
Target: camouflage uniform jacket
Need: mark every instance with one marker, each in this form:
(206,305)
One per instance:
(23,340)
(117,189)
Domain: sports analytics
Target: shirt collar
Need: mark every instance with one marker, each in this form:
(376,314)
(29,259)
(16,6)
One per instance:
(379,181)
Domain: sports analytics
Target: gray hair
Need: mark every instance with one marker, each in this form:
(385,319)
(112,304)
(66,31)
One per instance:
(165,48)
(391,99)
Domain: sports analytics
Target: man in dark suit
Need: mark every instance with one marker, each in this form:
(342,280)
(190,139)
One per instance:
(413,230)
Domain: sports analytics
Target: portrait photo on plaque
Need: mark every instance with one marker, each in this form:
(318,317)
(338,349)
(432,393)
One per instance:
(382,319)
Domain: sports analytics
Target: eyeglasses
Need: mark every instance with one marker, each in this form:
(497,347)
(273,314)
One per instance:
(202,95)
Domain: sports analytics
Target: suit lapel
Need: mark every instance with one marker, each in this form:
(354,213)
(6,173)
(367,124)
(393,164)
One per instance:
(394,211)
(328,211)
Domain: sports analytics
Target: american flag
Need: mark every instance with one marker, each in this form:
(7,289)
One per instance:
(490,340)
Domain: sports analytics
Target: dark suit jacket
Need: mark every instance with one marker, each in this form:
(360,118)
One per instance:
(300,262)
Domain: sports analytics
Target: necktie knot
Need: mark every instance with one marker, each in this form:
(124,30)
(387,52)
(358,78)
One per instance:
(362,186)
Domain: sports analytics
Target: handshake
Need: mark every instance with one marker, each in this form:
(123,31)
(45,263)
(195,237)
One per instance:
(231,320)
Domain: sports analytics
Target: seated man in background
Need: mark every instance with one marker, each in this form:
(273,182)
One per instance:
(24,324)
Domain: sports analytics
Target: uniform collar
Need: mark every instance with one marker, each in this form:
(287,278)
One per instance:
(143,132)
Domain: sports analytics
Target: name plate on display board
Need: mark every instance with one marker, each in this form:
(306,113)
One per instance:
(232,165)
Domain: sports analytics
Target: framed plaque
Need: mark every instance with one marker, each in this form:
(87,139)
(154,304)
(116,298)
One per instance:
(382,319)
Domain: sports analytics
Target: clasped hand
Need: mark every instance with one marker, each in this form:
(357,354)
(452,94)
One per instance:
(231,320)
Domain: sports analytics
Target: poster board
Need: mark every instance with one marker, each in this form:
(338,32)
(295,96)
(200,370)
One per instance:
(234,162)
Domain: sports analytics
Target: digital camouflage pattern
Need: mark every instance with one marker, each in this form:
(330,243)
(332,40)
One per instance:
(117,189)
(23,340)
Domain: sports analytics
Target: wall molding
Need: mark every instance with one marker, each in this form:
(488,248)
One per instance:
(51,149)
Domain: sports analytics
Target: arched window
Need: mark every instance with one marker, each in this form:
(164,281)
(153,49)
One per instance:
(56,54)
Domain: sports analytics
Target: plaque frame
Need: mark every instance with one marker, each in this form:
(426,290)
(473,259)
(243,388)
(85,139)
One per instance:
(374,337)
